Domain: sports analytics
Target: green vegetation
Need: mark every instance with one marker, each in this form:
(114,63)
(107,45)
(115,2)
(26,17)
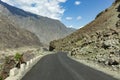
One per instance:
(1,78)
(17,56)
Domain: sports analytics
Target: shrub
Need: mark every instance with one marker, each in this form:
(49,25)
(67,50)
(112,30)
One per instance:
(18,56)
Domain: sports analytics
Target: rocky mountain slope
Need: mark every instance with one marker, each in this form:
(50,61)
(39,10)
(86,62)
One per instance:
(14,37)
(45,28)
(98,41)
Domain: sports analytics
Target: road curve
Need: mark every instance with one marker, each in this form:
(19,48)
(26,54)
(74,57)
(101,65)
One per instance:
(60,67)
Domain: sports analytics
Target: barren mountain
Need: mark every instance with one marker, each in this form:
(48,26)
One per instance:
(14,37)
(98,40)
(45,28)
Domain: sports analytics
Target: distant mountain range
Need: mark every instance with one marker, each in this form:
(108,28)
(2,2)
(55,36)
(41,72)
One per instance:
(45,28)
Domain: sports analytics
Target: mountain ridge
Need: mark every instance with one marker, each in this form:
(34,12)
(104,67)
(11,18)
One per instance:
(45,28)
(20,12)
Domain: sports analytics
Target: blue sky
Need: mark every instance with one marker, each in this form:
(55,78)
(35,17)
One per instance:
(72,13)
(87,9)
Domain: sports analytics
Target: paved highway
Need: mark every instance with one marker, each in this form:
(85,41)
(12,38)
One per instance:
(60,67)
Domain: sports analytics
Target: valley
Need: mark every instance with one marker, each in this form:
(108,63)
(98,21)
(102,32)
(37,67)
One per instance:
(31,44)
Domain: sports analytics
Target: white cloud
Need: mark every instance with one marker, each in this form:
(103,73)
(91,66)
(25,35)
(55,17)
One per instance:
(62,0)
(77,2)
(48,8)
(71,26)
(79,18)
(68,18)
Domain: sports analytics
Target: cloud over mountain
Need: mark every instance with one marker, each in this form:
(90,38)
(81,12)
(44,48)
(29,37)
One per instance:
(48,8)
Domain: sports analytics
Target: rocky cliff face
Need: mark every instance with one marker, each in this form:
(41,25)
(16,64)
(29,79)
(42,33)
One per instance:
(14,37)
(45,28)
(98,40)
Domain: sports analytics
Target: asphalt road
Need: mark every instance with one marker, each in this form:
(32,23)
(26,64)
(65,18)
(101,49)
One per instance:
(60,67)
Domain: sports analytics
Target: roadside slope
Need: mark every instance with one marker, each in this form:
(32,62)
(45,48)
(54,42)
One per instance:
(105,24)
(98,41)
